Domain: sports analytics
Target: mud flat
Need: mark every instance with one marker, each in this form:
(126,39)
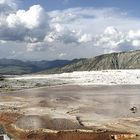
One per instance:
(71,112)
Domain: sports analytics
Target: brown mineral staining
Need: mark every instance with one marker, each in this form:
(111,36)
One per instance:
(8,119)
(70,113)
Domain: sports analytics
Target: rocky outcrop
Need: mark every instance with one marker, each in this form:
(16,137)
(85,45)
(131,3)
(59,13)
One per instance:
(122,60)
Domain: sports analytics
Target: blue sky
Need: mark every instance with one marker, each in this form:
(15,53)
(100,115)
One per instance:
(67,29)
(132,6)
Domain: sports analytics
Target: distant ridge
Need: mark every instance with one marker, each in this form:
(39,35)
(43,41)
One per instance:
(18,67)
(121,60)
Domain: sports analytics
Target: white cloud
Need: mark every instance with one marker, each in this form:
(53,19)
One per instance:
(109,31)
(35,46)
(136,43)
(134,34)
(61,55)
(64,35)
(7,6)
(111,39)
(33,18)
(91,20)
(3,41)
(70,33)
(26,26)
(85,38)
(106,29)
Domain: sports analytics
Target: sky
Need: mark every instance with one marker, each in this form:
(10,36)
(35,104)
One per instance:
(67,29)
